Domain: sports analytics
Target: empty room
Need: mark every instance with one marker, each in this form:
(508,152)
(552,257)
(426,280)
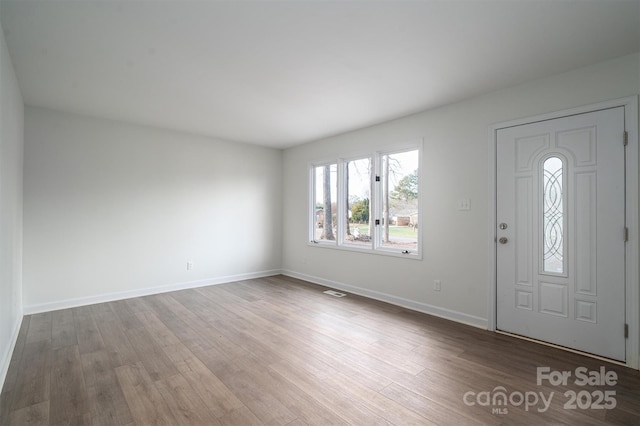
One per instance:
(319,212)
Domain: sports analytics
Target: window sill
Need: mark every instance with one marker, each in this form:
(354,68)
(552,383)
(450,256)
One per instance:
(412,255)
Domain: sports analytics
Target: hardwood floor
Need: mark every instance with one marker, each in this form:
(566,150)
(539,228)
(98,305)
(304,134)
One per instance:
(278,351)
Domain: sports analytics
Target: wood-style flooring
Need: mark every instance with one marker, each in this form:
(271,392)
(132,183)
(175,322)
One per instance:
(277,351)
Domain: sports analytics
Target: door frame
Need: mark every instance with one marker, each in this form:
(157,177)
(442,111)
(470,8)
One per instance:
(632,248)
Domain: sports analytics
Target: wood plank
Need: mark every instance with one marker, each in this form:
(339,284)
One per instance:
(95,364)
(39,327)
(102,312)
(116,343)
(16,356)
(138,304)
(105,397)
(89,338)
(259,399)
(34,415)
(215,327)
(375,365)
(302,349)
(297,422)
(351,410)
(295,399)
(188,326)
(6,398)
(262,404)
(145,402)
(68,399)
(428,408)
(384,407)
(63,329)
(151,355)
(162,335)
(33,382)
(165,309)
(241,416)
(449,394)
(125,314)
(184,402)
(210,389)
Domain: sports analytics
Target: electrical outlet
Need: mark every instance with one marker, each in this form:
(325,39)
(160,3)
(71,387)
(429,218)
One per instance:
(189,265)
(437,285)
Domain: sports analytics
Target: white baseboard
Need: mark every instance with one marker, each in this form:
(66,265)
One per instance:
(110,297)
(394,300)
(384,297)
(8,352)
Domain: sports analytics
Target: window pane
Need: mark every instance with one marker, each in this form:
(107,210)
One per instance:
(553,216)
(326,191)
(399,224)
(358,194)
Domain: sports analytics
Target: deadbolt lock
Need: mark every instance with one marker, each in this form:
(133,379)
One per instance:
(503,240)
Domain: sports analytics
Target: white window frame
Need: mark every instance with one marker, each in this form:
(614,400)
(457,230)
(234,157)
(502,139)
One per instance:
(342,189)
(375,202)
(312,202)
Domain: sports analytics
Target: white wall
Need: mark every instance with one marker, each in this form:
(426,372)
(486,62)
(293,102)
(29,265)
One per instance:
(113,210)
(455,163)
(11,153)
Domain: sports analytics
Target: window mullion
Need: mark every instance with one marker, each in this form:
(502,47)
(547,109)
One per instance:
(376,206)
(340,203)
(312,203)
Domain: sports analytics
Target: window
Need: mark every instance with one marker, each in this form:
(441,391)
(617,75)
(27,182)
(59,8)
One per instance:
(357,182)
(368,203)
(324,203)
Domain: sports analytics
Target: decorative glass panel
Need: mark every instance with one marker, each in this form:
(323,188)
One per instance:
(553,216)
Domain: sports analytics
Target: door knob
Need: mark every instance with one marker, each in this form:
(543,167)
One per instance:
(503,240)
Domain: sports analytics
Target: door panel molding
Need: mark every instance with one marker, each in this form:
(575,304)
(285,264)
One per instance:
(632,249)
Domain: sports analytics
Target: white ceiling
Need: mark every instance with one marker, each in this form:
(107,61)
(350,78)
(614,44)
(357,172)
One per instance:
(283,73)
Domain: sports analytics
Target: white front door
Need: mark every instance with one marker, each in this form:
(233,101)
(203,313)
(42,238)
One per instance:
(561,231)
